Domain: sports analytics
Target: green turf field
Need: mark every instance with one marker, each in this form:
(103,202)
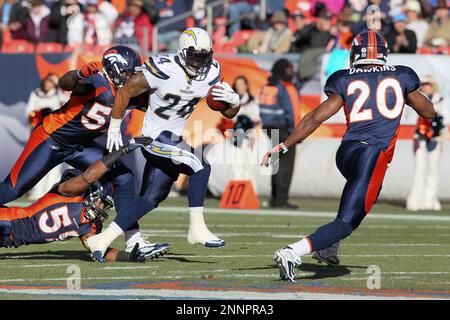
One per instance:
(411,249)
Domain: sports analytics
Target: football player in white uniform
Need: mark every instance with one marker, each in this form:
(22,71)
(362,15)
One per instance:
(177,82)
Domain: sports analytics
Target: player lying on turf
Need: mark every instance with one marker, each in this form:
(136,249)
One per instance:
(177,82)
(69,134)
(74,207)
(373,95)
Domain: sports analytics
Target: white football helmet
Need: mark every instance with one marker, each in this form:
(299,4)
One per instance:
(195,52)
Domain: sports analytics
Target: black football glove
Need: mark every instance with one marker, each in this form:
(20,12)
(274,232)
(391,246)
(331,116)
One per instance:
(437,123)
(137,142)
(136,255)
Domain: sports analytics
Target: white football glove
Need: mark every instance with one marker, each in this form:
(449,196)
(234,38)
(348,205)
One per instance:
(271,157)
(226,94)
(114,140)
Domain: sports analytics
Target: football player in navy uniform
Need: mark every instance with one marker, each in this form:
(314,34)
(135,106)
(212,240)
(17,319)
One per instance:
(69,134)
(74,207)
(373,95)
(176,82)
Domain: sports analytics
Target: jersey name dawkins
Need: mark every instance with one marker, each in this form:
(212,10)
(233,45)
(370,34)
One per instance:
(373,102)
(174,95)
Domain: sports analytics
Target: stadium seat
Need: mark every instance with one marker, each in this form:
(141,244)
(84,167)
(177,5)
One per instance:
(228,47)
(241,37)
(49,47)
(6,36)
(68,48)
(220,33)
(18,46)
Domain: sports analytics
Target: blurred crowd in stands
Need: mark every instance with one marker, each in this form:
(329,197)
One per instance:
(290,25)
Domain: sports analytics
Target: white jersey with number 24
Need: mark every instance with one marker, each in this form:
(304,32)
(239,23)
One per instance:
(174,95)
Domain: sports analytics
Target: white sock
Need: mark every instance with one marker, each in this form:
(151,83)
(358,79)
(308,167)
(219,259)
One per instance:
(196,218)
(103,240)
(302,247)
(131,236)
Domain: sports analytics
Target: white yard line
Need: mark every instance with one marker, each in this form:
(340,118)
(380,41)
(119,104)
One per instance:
(343,255)
(39,265)
(220,274)
(315,214)
(271,226)
(195,294)
(129,268)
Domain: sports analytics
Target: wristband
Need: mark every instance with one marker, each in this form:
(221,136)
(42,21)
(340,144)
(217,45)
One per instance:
(115,123)
(123,256)
(110,159)
(283,148)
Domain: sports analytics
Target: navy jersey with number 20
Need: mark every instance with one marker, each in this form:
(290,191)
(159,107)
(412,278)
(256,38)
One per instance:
(373,102)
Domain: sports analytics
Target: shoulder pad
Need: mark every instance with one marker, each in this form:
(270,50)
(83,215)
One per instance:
(153,65)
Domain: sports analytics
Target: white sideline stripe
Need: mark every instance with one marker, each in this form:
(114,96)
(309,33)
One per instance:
(197,294)
(182,233)
(343,255)
(315,214)
(258,243)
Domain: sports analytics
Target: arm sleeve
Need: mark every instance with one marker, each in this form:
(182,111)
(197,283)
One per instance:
(332,85)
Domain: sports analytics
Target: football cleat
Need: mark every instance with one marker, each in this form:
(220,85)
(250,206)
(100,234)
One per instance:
(328,255)
(205,237)
(97,256)
(287,260)
(149,250)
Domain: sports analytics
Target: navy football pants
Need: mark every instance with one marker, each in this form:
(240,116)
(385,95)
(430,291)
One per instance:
(167,157)
(364,167)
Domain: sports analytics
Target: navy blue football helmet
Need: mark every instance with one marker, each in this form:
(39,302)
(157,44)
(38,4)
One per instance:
(368,47)
(119,63)
(97,202)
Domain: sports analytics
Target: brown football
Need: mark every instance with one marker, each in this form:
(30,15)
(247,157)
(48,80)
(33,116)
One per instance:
(213,104)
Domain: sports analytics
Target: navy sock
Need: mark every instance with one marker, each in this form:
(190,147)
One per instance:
(198,183)
(329,234)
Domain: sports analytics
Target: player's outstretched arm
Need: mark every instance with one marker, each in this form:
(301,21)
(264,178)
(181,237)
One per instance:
(134,87)
(421,104)
(71,79)
(314,119)
(308,125)
(78,185)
